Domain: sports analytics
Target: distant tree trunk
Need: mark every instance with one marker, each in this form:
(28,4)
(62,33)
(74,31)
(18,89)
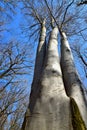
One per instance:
(73,85)
(51,110)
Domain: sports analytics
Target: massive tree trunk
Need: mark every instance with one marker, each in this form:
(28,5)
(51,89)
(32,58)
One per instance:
(73,86)
(56,102)
(55,110)
(51,110)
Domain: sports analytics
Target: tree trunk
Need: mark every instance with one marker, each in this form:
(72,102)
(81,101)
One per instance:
(56,112)
(40,56)
(73,85)
(39,63)
(52,107)
(41,51)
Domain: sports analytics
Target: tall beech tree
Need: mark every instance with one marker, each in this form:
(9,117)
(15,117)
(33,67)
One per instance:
(57,98)
(47,111)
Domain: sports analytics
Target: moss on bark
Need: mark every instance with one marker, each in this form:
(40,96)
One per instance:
(77,121)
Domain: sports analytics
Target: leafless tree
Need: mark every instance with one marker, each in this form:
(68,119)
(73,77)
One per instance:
(54,81)
(14,64)
(51,83)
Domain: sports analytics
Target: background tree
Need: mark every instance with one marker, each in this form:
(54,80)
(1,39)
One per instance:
(15,64)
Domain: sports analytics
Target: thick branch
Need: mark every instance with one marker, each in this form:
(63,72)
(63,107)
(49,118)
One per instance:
(82,2)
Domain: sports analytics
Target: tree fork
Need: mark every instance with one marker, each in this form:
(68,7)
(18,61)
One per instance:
(49,111)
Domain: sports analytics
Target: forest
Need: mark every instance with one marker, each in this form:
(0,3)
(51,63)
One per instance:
(43,65)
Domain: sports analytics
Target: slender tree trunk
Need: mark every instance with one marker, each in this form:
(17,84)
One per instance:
(41,52)
(73,85)
(40,56)
(51,110)
(39,63)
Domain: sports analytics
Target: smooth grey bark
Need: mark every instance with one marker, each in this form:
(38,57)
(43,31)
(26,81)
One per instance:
(72,81)
(56,105)
(52,107)
(39,63)
(40,56)
(41,51)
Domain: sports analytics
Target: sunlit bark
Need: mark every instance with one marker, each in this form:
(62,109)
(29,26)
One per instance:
(72,81)
(56,107)
(40,56)
(52,107)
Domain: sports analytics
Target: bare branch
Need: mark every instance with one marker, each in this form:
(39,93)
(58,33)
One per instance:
(66,12)
(52,16)
(82,2)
